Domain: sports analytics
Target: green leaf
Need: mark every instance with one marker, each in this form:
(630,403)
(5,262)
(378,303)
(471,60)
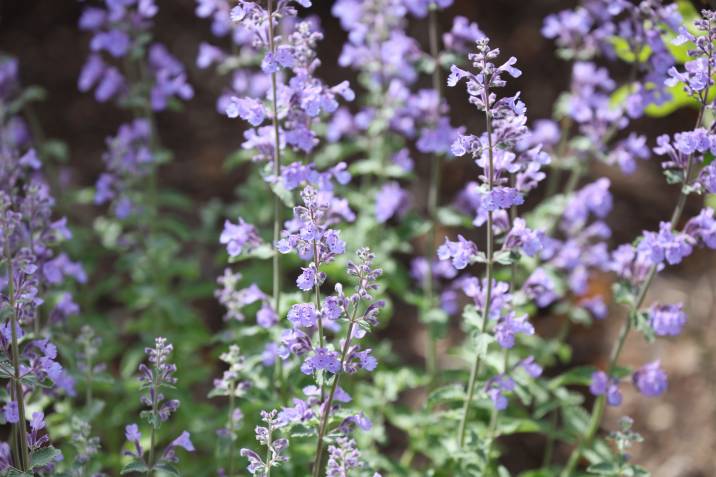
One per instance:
(284,194)
(581,375)
(18,473)
(509,425)
(624,50)
(450,393)
(55,148)
(134,466)
(168,468)
(450,217)
(603,468)
(44,456)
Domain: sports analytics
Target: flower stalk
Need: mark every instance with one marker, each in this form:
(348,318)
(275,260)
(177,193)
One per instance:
(431,357)
(489,263)
(599,406)
(17,391)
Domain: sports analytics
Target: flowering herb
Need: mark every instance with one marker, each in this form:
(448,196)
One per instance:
(346,196)
(155,377)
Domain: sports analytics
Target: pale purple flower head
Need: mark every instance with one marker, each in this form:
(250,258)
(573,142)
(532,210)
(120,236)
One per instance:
(303,315)
(509,326)
(238,237)
(460,253)
(391,200)
(703,228)
(667,320)
(602,384)
(322,359)
(665,245)
(650,379)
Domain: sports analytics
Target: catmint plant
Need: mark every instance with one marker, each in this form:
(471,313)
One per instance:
(234,385)
(155,377)
(510,167)
(33,273)
(340,185)
(275,447)
(637,264)
(145,229)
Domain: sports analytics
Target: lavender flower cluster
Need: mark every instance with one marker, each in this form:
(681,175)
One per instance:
(336,235)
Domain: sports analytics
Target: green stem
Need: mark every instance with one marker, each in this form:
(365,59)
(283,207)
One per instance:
(321,339)
(600,403)
(17,391)
(155,419)
(276,169)
(433,198)
(276,266)
(327,407)
(232,401)
(477,363)
(269,442)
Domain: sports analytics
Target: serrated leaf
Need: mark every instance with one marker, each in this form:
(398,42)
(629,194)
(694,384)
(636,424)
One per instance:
(18,473)
(44,456)
(134,466)
(450,393)
(581,375)
(508,425)
(603,468)
(168,468)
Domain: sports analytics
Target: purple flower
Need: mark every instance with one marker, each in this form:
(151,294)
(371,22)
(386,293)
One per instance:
(625,151)
(391,200)
(604,385)
(359,359)
(302,315)
(248,109)
(462,36)
(510,325)
(183,441)
(595,306)
(531,367)
(630,264)
(540,287)
(91,73)
(667,320)
(650,379)
(460,253)
(307,279)
(343,457)
(703,228)
(499,300)
(208,55)
(131,432)
(530,241)
(112,82)
(12,414)
(593,198)
(322,359)
(238,236)
(283,58)
(502,198)
(695,77)
(496,389)
(665,245)
(114,41)
(266,317)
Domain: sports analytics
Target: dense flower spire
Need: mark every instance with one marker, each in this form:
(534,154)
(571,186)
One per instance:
(33,272)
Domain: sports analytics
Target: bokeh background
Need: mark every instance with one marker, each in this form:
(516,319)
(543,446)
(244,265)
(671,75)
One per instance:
(679,428)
